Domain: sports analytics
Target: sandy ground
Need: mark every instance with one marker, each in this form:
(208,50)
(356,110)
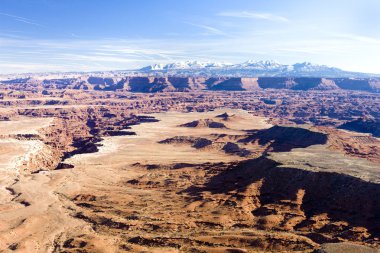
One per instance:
(108,204)
(144,147)
(23,125)
(10,151)
(40,212)
(13,154)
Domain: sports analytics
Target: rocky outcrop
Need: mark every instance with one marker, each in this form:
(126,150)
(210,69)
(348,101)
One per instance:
(204,143)
(204,123)
(233,148)
(195,142)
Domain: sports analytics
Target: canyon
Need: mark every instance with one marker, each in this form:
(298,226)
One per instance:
(189,164)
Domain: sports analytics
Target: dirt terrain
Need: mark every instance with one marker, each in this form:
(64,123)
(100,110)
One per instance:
(114,171)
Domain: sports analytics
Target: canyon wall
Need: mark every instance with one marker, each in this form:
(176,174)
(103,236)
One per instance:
(150,84)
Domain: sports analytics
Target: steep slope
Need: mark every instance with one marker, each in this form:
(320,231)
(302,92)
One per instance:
(187,83)
(357,84)
(297,83)
(232,84)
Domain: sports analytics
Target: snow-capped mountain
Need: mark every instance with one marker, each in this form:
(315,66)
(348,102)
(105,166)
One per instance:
(259,65)
(184,65)
(249,69)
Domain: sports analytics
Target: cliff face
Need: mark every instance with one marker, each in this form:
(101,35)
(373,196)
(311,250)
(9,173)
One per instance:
(297,83)
(232,84)
(187,84)
(181,84)
(358,84)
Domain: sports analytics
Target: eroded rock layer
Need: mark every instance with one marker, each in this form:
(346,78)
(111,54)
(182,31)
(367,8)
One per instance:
(102,169)
(152,84)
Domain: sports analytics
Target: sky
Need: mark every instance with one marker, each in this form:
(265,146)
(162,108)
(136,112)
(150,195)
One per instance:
(88,35)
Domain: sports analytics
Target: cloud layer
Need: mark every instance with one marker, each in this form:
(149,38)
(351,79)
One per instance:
(254,15)
(208,32)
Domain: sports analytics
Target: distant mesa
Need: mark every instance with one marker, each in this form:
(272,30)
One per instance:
(194,81)
(298,83)
(232,84)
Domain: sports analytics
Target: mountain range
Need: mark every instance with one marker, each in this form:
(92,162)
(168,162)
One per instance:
(197,76)
(250,69)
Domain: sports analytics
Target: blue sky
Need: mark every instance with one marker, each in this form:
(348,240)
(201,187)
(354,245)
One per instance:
(85,35)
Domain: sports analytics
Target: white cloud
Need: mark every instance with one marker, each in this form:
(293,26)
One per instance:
(254,15)
(348,52)
(211,30)
(358,38)
(21,19)
(28,55)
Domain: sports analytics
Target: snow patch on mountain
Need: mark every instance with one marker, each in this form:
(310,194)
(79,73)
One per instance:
(249,68)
